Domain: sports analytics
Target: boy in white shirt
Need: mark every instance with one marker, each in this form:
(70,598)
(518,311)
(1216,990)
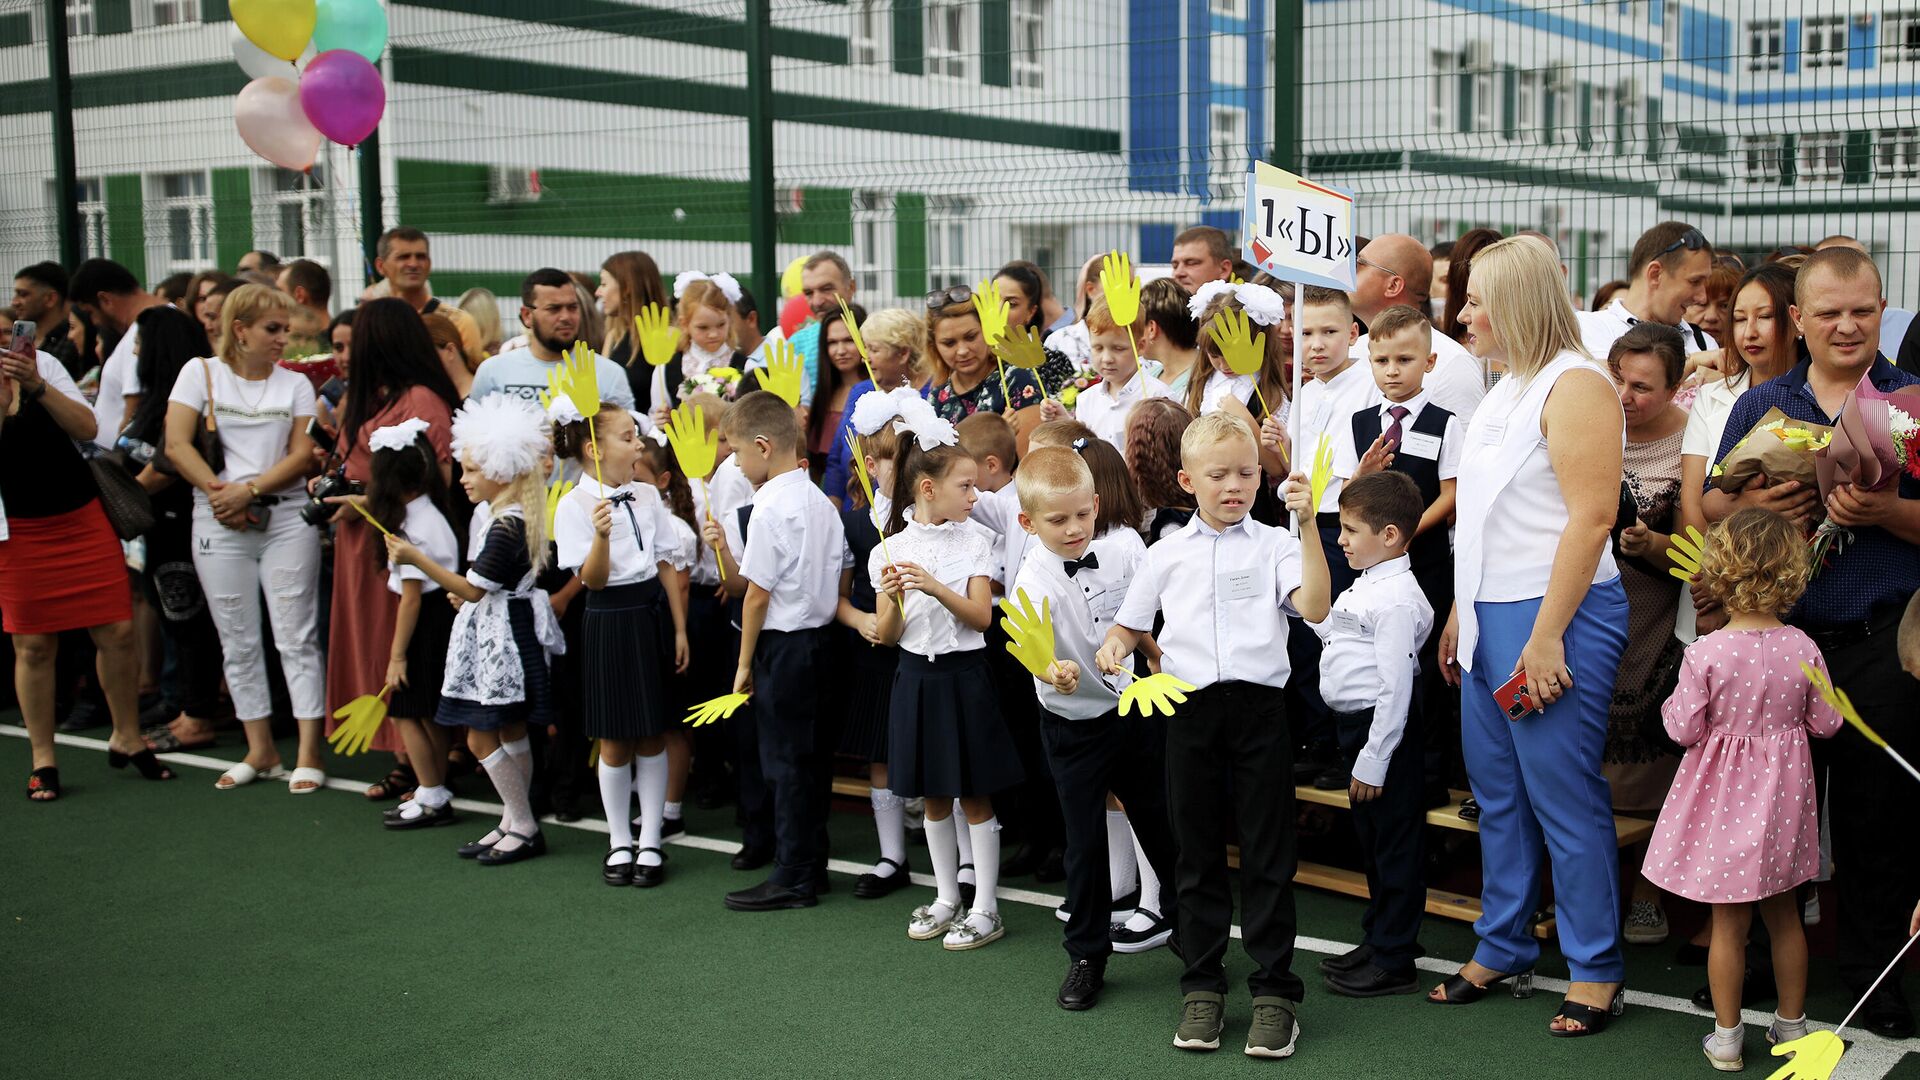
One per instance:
(1081,579)
(1370,642)
(1225,584)
(1104,406)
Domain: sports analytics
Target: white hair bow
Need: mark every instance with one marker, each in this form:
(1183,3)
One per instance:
(875,408)
(927,427)
(724,281)
(398,436)
(503,436)
(562,410)
(1261,303)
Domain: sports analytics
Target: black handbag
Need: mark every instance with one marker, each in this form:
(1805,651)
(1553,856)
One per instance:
(129,508)
(206,434)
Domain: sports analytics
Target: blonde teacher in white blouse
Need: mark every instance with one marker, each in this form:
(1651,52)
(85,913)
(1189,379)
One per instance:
(1539,594)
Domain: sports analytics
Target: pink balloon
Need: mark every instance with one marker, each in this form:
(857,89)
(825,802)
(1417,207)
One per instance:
(271,120)
(343,96)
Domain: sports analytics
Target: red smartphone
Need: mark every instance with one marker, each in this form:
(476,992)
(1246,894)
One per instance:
(1514,698)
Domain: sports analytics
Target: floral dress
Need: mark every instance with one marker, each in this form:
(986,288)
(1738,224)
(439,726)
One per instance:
(1639,766)
(955,406)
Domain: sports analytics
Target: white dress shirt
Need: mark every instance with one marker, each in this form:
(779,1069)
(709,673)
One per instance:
(1458,380)
(628,562)
(1225,595)
(796,548)
(1325,405)
(953,554)
(1083,606)
(425,528)
(1220,385)
(1369,655)
(999,513)
(1105,411)
(1600,329)
(1346,456)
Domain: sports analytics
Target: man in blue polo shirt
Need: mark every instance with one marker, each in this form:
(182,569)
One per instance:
(1852,611)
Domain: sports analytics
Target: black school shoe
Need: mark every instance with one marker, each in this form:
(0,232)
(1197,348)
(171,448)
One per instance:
(769,895)
(644,876)
(752,858)
(617,873)
(1351,960)
(1080,990)
(871,886)
(1368,980)
(426,819)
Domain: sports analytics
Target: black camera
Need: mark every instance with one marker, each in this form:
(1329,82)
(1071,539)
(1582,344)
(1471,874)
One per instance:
(331,485)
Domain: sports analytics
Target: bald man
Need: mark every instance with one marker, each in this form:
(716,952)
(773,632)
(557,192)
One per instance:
(1893,321)
(1397,269)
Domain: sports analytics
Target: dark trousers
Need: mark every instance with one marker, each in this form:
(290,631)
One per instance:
(1231,745)
(1089,758)
(753,798)
(796,749)
(1389,828)
(185,620)
(1879,866)
(1031,810)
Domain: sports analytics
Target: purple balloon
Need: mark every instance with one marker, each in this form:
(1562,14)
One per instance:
(343,95)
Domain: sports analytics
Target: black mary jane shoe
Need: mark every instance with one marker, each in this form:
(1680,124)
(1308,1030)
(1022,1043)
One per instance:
(530,847)
(1592,1021)
(870,886)
(44,780)
(143,760)
(1457,990)
(618,874)
(481,846)
(644,876)
(429,817)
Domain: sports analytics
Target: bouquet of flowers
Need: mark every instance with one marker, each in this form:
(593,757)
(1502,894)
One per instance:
(1876,440)
(318,368)
(1778,448)
(721,382)
(1081,379)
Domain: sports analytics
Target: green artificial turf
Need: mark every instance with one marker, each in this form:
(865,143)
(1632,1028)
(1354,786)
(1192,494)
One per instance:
(170,930)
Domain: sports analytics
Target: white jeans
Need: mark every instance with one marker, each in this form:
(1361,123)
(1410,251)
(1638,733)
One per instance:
(284,561)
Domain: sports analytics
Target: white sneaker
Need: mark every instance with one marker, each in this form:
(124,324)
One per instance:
(1717,1055)
(1646,923)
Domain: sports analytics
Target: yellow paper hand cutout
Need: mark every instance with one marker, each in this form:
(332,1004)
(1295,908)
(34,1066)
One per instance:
(1843,705)
(866,486)
(992,309)
(1686,552)
(694,447)
(859,342)
(1243,350)
(783,372)
(1322,474)
(720,708)
(1121,287)
(1815,1056)
(1030,634)
(369,517)
(1155,693)
(583,380)
(556,386)
(362,718)
(1020,347)
(555,492)
(659,338)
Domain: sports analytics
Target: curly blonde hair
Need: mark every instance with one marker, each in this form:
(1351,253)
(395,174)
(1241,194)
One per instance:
(1756,562)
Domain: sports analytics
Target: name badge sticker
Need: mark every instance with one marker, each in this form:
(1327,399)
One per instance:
(1494,432)
(1421,446)
(1237,585)
(1346,622)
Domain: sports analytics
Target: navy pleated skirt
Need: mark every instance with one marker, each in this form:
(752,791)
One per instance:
(624,690)
(945,733)
(426,660)
(869,698)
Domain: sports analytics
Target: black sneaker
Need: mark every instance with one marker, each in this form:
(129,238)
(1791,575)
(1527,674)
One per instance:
(1348,961)
(769,896)
(1080,990)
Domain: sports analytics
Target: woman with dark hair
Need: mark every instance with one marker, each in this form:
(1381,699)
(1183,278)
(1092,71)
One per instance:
(1025,291)
(396,376)
(832,386)
(1459,266)
(629,281)
(168,339)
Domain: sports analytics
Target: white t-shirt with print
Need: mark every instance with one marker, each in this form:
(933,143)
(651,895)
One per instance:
(255,417)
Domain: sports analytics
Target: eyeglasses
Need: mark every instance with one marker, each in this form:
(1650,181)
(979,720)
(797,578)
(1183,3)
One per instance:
(1692,240)
(1387,270)
(956,294)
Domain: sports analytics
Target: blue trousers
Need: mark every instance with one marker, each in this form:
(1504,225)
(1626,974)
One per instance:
(1541,792)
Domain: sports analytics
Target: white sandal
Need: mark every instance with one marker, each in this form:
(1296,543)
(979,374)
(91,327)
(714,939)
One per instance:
(243,774)
(309,775)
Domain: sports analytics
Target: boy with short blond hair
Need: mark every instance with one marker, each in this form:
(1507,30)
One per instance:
(1104,406)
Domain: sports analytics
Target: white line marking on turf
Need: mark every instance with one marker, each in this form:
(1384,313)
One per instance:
(1869,1057)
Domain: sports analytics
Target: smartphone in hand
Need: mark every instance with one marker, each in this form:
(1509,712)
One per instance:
(1514,698)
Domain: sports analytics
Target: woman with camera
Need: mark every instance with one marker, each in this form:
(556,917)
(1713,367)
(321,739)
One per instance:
(396,376)
(237,432)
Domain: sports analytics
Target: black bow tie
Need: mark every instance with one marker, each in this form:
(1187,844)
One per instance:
(624,500)
(1074,566)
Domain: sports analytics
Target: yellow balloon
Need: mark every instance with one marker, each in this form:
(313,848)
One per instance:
(281,27)
(790,278)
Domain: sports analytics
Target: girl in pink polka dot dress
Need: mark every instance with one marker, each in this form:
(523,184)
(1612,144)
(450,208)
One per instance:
(1740,828)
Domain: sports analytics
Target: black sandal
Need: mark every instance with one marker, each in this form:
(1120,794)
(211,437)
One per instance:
(144,761)
(1592,1021)
(1459,990)
(397,783)
(44,779)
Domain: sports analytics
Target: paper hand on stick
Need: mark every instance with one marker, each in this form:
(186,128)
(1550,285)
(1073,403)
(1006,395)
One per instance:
(1815,1056)
(866,487)
(1322,474)
(720,708)
(1020,347)
(1122,289)
(1243,350)
(1843,705)
(1686,552)
(556,386)
(1155,693)
(695,448)
(363,513)
(783,372)
(1030,634)
(992,309)
(362,718)
(555,492)
(583,380)
(659,338)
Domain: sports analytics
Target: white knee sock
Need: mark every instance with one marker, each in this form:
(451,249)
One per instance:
(946,862)
(1119,854)
(890,821)
(616,791)
(511,784)
(652,784)
(1149,881)
(964,839)
(986,843)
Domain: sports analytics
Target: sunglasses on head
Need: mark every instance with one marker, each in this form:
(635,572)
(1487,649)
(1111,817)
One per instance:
(1692,240)
(957,294)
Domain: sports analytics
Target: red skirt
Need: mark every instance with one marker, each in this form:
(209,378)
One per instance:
(65,572)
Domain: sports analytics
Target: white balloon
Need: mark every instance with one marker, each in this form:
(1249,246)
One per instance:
(258,63)
(268,115)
